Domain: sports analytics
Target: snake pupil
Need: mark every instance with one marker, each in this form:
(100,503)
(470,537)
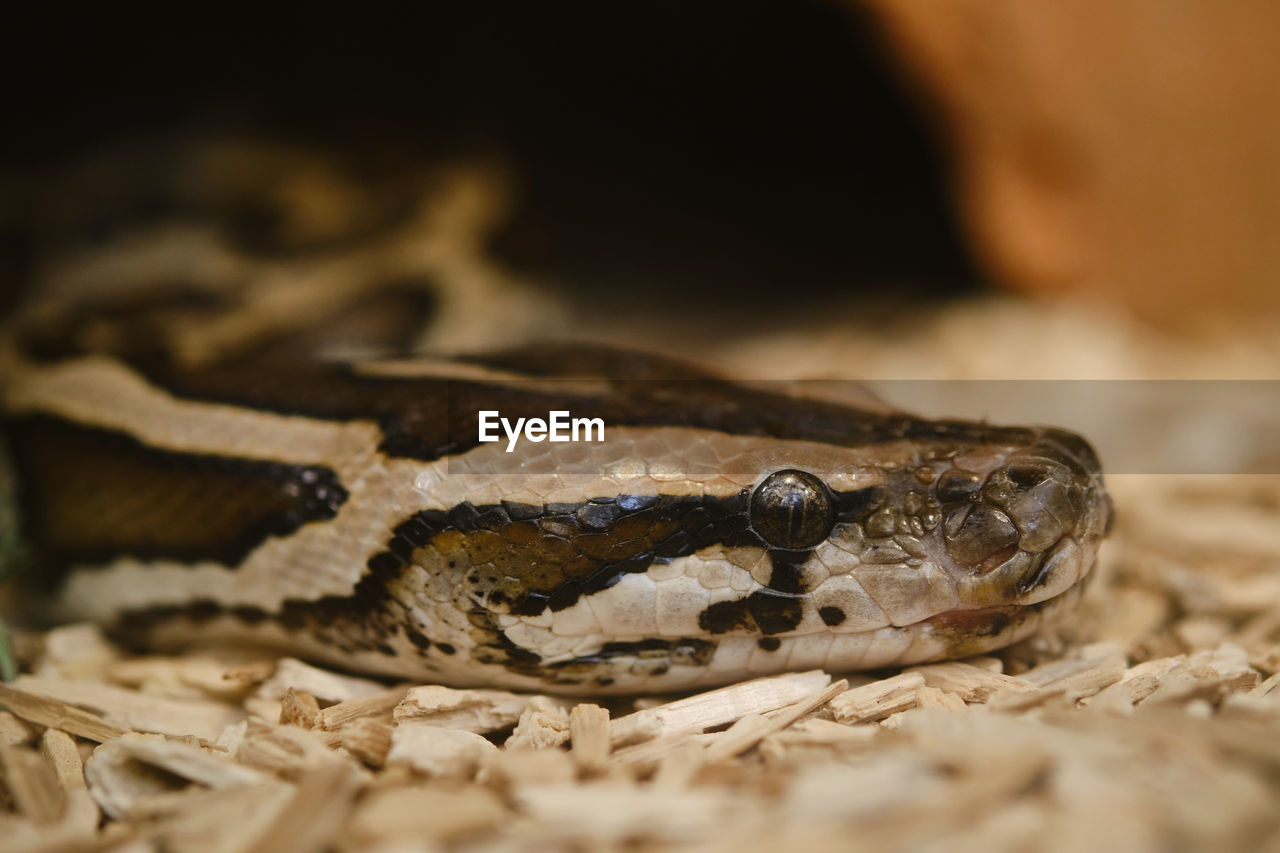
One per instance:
(792,509)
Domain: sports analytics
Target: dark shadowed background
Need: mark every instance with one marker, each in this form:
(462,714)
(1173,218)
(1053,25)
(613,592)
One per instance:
(667,156)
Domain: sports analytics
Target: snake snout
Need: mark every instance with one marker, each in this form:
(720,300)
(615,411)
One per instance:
(1027,504)
(1043,500)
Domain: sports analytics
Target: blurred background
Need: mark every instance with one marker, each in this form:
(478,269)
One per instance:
(744,181)
(665,158)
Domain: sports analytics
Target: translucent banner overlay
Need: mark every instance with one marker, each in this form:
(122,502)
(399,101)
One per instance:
(1137,426)
(1214,427)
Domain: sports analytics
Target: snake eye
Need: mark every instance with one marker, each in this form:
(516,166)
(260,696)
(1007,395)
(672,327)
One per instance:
(792,509)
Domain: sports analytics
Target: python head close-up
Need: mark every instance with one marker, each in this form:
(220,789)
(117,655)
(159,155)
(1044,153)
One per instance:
(370,445)
(669,426)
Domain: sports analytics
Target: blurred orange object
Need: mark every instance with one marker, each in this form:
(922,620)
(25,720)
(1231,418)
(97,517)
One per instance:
(1127,149)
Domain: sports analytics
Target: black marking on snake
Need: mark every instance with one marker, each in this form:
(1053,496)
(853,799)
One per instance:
(249,615)
(831,616)
(550,556)
(1037,575)
(764,611)
(650,657)
(94,494)
(769,644)
(543,557)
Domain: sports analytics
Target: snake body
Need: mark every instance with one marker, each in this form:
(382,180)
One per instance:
(194,467)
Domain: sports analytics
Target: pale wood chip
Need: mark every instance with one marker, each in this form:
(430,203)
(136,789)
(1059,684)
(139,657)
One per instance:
(438,752)
(76,651)
(299,708)
(1231,662)
(542,725)
(880,783)
(1258,629)
(509,767)
(1122,696)
(225,675)
(190,762)
(1250,740)
(368,740)
(814,740)
(716,707)
(134,711)
(24,836)
(328,687)
(816,731)
(677,768)
(877,700)
(58,714)
(1089,658)
(1133,617)
(479,711)
(746,732)
(380,706)
(424,811)
(646,753)
(311,818)
(1270,687)
(933,697)
(13,731)
(249,675)
(1063,688)
(1138,682)
(988,663)
(228,740)
(287,751)
(1209,674)
(119,784)
(1185,684)
(589,736)
(1265,657)
(751,729)
(59,752)
(32,783)
(613,811)
(970,683)
(1091,681)
(228,820)
(1017,700)
(1202,632)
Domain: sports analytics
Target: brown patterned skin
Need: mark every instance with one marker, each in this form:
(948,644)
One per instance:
(208,462)
(378,533)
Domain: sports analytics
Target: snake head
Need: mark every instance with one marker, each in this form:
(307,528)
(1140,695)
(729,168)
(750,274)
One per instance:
(954,543)
(1025,530)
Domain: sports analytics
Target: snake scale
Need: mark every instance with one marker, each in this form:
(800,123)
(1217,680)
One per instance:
(234,439)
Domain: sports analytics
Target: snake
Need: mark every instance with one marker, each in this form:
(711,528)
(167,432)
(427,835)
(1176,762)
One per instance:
(219,442)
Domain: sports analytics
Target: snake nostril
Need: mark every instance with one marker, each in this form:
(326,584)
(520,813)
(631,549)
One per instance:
(1007,483)
(1025,476)
(1043,499)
